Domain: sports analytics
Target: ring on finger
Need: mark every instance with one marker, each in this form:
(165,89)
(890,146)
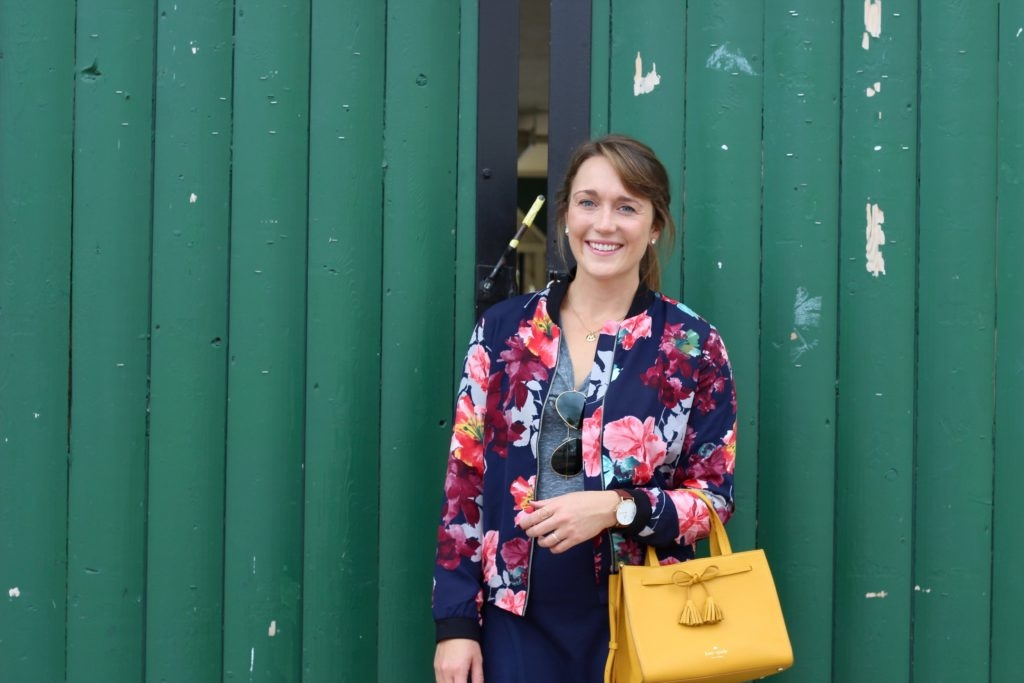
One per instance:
(555,535)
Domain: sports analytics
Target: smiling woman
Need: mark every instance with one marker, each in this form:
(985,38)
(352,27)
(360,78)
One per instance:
(586,414)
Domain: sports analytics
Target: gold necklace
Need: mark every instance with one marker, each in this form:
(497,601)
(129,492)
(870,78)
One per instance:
(591,334)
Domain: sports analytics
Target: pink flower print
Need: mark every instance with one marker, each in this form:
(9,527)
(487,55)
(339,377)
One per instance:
(694,521)
(512,601)
(467,435)
(522,492)
(478,366)
(631,438)
(636,328)
(488,552)
(592,443)
(515,553)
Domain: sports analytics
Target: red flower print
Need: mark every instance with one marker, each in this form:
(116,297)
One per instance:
(522,493)
(631,438)
(521,366)
(709,468)
(678,346)
(488,552)
(453,545)
(642,473)
(514,602)
(541,336)
(629,551)
(636,328)
(462,486)
(671,391)
(515,553)
(592,443)
(468,433)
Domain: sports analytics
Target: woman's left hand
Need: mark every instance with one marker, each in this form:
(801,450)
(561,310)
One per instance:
(565,521)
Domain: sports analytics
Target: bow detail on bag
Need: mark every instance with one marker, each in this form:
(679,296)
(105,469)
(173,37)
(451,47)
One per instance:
(712,613)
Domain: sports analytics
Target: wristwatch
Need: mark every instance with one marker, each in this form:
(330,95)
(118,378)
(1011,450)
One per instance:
(625,509)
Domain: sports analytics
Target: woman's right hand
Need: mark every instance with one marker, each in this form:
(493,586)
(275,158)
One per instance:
(458,660)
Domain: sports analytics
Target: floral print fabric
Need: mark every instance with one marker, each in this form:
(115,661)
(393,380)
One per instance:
(660,418)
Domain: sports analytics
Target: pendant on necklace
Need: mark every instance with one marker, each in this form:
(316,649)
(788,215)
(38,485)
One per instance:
(591,336)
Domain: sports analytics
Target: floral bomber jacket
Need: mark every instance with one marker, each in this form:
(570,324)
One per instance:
(660,418)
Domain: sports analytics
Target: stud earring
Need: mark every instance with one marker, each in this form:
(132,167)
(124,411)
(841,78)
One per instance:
(653,241)
(567,230)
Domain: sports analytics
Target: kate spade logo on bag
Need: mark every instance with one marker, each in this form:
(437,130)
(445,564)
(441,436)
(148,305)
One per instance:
(716,652)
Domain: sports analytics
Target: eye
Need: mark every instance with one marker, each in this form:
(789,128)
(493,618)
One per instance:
(626,208)
(587,203)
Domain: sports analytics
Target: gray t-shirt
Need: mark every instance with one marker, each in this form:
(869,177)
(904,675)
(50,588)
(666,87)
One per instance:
(554,431)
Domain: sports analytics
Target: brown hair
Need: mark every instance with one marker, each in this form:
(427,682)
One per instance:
(643,175)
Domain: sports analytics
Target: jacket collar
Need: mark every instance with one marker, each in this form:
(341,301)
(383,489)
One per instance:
(642,299)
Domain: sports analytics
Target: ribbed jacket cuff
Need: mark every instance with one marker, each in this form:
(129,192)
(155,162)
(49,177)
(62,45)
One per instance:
(457,627)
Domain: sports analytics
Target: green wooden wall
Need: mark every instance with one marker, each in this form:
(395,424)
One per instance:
(236,275)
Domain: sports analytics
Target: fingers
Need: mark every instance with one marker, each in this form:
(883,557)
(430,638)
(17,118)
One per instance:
(458,661)
(477,671)
(534,523)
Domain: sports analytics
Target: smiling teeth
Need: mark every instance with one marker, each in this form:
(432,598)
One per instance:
(604,247)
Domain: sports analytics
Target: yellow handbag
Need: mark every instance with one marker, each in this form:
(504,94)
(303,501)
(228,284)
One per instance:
(715,619)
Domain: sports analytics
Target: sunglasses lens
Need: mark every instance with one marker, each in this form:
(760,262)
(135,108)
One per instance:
(567,460)
(569,405)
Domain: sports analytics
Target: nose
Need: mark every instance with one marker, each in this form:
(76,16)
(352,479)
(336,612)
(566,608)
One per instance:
(605,220)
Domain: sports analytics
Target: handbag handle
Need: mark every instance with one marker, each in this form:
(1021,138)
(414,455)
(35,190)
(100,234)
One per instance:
(718,539)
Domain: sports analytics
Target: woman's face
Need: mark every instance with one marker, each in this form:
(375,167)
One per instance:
(609,228)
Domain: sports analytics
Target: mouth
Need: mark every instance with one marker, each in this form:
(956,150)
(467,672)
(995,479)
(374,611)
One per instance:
(604,247)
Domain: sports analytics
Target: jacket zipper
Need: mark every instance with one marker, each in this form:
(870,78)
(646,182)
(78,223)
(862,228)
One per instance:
(536,457)
(600,451)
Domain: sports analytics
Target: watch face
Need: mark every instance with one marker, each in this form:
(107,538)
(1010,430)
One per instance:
(625,513)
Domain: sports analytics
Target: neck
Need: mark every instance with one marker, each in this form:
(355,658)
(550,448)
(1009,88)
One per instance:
(601,299)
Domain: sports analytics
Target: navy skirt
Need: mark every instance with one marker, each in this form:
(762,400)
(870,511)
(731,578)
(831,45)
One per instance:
(564,636)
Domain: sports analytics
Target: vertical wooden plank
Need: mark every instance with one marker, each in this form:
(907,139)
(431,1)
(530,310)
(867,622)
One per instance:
(878,273)
(188,365)
(419,218)
(798,313)
(36,107)
(110,340)
(600,65)
(343,334)
(465,240)
(1008,527)
(647,97)
(956,312)
(722,245)
(267,318)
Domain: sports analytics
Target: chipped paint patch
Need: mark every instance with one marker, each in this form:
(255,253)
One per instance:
(806,318)
(874,89)
(14,592)
(729,61)
(872,22)
(918,589)
(272,631)
(879,594)
(193,198)
(644,84)
(875,237)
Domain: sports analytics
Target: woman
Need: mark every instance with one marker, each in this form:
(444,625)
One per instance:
(584,413)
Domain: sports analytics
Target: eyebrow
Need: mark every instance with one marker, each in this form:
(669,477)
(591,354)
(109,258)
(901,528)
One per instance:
(620,198)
